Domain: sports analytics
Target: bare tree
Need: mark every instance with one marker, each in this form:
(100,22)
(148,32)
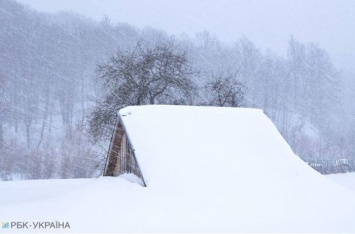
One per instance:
(160,73)
(144,75)
(224,90)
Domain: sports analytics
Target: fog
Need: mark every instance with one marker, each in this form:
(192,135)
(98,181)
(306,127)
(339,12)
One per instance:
(268,23)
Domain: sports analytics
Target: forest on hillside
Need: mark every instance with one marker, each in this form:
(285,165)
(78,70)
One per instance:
(57,106)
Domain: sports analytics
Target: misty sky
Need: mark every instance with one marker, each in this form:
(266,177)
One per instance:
(268,23)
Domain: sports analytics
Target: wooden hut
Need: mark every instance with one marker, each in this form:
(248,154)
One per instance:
(121,158)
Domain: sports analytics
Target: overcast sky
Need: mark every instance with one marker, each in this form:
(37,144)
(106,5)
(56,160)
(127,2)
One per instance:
(268,23)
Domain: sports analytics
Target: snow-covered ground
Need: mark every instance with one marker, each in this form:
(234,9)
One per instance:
(207,170)
(98,205)
(112,205)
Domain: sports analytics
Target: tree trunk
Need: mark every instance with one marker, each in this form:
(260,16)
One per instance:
(16,115)
(1,135)
(151,100)
(82,98)
(43,123)
(28,136)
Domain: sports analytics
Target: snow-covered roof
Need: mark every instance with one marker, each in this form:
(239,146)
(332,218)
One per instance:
(213,141)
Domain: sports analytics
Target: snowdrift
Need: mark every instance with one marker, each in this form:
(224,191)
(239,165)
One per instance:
(207,169)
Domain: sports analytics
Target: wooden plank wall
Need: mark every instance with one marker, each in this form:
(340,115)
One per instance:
(121,157)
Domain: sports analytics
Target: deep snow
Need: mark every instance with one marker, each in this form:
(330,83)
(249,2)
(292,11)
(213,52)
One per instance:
(344,179)
(207,169)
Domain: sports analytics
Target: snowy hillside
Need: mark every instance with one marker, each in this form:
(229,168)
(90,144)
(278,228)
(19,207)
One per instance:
(207,169)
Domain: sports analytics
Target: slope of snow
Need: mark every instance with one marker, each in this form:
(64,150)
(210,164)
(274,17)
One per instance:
(344,179)
(207,169)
